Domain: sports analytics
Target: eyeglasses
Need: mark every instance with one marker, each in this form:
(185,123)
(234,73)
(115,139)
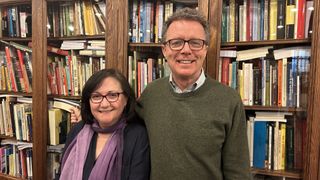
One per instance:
(178,44)
(111,97)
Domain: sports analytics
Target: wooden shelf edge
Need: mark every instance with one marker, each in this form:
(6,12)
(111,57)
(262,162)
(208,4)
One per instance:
(9,177)
(295,174)
(275,108)
(14,2)
(267,42)
(145,44)
(92,37)
(15,39)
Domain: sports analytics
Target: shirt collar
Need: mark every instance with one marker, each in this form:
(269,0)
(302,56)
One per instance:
(200,81)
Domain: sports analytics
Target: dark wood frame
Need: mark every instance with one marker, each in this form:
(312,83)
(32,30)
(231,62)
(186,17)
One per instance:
(116,57)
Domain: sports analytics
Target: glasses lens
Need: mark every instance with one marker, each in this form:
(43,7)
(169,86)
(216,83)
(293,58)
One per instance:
(96,98)
(112,97)
(176,43)
(196,43)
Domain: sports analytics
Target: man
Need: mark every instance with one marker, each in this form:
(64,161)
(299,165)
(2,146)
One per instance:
(196,126)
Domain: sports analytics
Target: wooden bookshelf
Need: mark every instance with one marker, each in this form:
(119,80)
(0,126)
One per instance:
(311,165)
(118,35)
(117,46)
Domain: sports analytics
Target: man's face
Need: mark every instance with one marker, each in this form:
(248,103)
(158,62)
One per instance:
(185,63)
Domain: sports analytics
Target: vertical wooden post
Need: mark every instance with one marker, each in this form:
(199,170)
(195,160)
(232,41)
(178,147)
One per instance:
(312,149)
(117,35)
(39,89)
(215,41)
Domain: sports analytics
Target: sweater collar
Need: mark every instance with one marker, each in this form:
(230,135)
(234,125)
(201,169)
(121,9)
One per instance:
(200,81)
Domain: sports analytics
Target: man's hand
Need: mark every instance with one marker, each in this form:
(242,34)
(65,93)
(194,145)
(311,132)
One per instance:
(75,115)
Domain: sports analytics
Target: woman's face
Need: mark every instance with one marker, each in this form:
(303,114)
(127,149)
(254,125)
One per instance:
(105,112)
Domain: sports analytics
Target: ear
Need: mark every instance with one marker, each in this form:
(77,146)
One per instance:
(164,50)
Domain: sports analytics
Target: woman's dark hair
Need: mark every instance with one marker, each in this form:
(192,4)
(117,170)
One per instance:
(94,82)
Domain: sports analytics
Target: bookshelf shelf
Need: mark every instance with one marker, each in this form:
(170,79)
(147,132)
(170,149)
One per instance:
(275,108)
(16,93)
(15,39)
(14,2)
(268,42)
(286,174)
(7,177)
(64,97)
(94,37)
(145,45)
(6,137)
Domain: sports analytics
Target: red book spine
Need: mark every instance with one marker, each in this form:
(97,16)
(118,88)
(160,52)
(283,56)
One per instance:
(10,70)
(225,70)
(301,18)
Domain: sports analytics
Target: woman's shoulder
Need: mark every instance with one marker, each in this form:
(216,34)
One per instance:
(135,127)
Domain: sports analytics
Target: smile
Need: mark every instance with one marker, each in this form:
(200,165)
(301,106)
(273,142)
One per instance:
(185,61)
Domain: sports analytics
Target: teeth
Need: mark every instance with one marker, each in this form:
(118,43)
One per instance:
(185,61)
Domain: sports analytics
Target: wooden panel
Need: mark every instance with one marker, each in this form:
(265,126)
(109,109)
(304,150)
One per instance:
(117,35)
(39,87)
(312,148)
(203,6)
(215,12)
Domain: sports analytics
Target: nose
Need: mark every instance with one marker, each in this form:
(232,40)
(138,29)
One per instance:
(104,101)
(186,48)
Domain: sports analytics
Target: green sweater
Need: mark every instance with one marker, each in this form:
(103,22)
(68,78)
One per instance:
(198,135)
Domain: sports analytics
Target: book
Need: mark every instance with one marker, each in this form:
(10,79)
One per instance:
(259,144)
(55,118)
(54,50)
(65,104)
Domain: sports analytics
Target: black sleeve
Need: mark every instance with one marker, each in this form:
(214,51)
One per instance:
(136,160)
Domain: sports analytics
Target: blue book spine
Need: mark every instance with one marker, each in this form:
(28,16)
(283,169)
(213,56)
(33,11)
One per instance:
(259,144)
(234,75)
(10,22)
(261,19)
(294,68)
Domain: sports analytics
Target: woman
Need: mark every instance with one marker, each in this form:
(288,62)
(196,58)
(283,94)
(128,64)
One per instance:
(108,143)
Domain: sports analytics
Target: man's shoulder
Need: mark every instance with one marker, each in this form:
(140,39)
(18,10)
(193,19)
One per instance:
(158,85)
(158,82)
(222,89)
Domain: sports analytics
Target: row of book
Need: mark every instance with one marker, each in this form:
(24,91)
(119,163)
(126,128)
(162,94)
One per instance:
(143,70)
(147,18)
(268,79)
(16,117)
(68,70)
(275,141)
(15,21)
(80,17)
(68,74)
(16,158)
(254,20)
(16,70)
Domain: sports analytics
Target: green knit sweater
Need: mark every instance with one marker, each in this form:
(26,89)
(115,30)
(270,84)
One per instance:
(198,135)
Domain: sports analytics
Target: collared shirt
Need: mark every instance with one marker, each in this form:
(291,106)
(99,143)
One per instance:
(192,87)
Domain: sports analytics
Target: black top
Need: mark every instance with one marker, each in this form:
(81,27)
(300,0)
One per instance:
(136,152)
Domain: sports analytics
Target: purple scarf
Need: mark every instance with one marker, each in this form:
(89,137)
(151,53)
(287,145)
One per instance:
(107,165)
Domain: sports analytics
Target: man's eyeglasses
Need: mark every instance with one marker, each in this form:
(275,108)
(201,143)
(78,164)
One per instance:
(178,44)
(111,97)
